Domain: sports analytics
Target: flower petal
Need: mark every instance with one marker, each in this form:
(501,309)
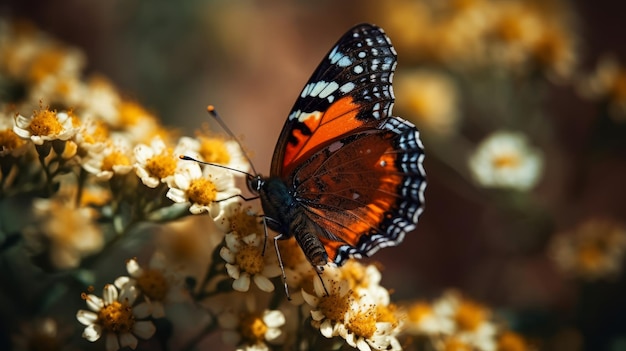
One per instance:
(86,317)
(144,329)
(92,332)
(128,339)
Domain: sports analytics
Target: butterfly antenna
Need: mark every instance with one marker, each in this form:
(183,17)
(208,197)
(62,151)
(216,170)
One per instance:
(211,110)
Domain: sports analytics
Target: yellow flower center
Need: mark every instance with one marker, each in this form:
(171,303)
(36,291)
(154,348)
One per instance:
(153,284)
(249,259)
(506,161)
(334,306)
(469,316)
(161,166)
(454,344)
(48,62)
(510,341)
(418,311)
(99,133)
(202,191)
(590,256)
(245,223)
(45,122)
(363,324)
(387,314)
(115,158)
(131,112)
(9,140)
(252,328)
(354,272)
(213,150)
(117,318)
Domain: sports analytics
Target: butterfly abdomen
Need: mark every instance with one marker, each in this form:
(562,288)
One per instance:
(285,215)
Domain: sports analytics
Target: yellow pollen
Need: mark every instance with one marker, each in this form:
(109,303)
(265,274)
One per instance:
(117,318)
(354,272)
(506,161)
(100,133)
(153,284)
(9,140)
(245,223)
(45,122)
(213,150)
(363,324)
(161,166)
(335,307)
(202,191)
(387,314)
(131,112)
(419,311)
(249,259)
(469,316)
(115,158)
(252,328)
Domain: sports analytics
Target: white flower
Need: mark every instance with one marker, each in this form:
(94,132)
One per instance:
(156,282)
(215,150)
(251,330)
(505,160)
(155,163)
(594,250)
(207,191)
(116,316)
(45,125)
(70,232)
(245,259)
(471,321)
(10,142)
(114,158)
(330,304)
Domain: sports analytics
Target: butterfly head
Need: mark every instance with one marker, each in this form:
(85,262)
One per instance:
(254,183)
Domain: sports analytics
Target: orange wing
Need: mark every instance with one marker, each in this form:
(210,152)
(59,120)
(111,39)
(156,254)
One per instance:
(365,191)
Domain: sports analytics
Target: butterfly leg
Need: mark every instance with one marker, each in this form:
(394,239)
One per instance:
(280,263)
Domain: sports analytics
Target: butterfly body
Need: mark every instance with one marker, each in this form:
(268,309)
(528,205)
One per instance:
(346,177)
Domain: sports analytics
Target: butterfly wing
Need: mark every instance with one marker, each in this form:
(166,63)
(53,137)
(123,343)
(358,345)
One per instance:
(350,90)
(365,190)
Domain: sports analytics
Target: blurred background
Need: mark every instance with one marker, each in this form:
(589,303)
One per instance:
(466,68)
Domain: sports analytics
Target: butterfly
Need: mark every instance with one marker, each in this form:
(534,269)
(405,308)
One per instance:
(346,177)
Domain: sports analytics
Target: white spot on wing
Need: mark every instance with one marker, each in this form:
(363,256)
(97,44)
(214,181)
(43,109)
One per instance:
(344,62)
(358,69)
(329,89)
(346,88)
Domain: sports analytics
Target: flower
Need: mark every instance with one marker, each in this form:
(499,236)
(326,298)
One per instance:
(45,125)
(250,330)
(205,192)
(505,160)
(70,232)
(116,316)
(157,284)
(215,150)
(511,341)
(430,97)
(154,164)
(593,250)
(113,158)
(472,323)
(607,84)
(10,142)
(358,318)
(423,319)
(246,258)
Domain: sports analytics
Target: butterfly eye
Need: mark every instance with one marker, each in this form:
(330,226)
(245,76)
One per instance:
(254,183)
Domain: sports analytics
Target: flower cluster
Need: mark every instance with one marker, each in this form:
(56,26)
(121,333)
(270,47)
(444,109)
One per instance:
(90,178)
(454,322)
